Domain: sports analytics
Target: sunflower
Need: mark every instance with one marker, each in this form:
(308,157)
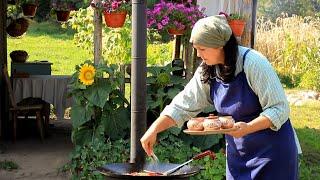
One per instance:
(86,75)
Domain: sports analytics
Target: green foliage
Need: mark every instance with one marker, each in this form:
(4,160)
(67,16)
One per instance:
(235,16)
(159,54)
(162,87)
(98,109)
(82,23)
(311,80)
(8,165)
(213,169)
(171,148)
(203,142)
(116,42)
(85,159)
(288,80)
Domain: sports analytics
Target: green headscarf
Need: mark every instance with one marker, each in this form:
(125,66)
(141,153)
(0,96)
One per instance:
(212,31)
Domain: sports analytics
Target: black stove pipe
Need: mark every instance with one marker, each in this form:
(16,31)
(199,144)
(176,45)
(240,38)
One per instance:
(138,81)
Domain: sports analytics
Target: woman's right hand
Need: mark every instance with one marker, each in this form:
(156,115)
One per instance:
(150,137)
(148,140)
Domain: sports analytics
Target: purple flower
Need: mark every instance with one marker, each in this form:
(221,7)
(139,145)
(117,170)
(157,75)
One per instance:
(165,15)
(159,26)
(115,5)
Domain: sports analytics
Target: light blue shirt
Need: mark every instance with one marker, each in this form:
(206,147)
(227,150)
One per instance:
(262,79)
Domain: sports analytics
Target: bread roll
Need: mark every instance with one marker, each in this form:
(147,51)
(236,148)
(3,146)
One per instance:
(226,122)
(195,124)
(211,124)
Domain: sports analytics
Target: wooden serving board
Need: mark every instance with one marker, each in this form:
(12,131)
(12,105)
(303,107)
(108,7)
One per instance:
(219,131)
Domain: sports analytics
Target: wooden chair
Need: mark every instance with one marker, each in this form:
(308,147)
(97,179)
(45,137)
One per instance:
(23,110)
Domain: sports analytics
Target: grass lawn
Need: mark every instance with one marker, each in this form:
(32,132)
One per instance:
(306,120)
(48,41)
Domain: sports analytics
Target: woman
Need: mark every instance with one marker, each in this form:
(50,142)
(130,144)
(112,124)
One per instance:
(239,82)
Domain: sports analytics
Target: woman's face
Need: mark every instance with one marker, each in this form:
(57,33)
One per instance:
(210,56)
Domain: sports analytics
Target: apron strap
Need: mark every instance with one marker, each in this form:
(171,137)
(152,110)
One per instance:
(244,58)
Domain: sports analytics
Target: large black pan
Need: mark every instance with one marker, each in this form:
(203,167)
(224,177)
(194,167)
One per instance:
(123,170)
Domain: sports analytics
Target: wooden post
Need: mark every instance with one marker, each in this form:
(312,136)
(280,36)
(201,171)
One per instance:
(254,21)
(246,7)
(177,45)
(123,72)
(187,56)
(97,36)
(4,105)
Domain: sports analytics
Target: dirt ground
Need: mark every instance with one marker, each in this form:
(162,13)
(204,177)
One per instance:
(36,160)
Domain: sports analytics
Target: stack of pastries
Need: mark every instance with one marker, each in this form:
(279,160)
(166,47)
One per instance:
(210,123)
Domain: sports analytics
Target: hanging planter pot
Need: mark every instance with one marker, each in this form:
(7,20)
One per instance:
(237,27)
(29,10)
(114,19)
(62,15)
(173,31)
(17,27)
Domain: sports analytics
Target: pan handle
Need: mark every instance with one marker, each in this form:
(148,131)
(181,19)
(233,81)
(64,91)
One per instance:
(203,154)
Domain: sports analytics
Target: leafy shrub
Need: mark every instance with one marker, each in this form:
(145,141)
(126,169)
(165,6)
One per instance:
(213,169)
(116,42)
(287,80)
(84,159)
(162,87)
(311,80)
(171,148)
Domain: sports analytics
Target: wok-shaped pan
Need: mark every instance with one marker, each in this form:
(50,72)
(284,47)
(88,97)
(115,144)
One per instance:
(123,170)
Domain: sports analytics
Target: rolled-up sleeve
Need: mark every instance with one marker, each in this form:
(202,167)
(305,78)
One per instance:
(191,101)
(265,83)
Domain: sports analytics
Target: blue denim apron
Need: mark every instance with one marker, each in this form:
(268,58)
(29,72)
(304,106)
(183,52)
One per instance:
(265,154)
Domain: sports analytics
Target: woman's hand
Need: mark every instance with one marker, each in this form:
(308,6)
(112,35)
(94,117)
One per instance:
(257,124)
(148,140)
(242,130)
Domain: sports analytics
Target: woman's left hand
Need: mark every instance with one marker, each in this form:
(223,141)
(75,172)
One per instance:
(242,130)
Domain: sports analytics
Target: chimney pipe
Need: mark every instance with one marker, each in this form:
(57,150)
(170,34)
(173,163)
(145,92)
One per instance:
(138,81)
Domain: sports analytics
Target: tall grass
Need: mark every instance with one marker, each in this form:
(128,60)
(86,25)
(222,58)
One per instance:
(291,44)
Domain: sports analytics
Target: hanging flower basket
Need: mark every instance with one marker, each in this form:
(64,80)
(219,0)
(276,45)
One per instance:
(17,27)
(62,15)
(174,17)
(173,31)
(114,19)
(237,27)
(29,10)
